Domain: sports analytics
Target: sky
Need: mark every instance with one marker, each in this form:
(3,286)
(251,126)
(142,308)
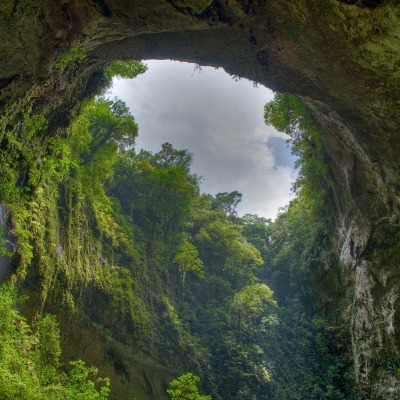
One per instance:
(218,119)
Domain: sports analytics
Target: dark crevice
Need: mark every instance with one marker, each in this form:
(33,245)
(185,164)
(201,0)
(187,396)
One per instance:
(95,82)
(362,3)
(252,39)
(149,388)
(116,360)
(4,82)
(15,5)
(252,7)
(102,8)
(262,58)
(216,11)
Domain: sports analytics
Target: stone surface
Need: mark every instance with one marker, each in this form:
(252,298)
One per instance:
(8,242)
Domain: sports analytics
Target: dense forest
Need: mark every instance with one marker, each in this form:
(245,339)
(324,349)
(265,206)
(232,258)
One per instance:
(236,307)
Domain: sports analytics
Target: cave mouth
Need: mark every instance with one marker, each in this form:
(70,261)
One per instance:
(218,118)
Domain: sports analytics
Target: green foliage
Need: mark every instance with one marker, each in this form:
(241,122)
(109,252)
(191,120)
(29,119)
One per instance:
(301,253)
(72,59)
(48,347)
(92,231)
(257,231)
(3,247)
(301,343)
(29,360)
(252,301)
(21,152)
(288,114)
(124,69)
(23,145)
(169,157)
(187,259)
(227,248)
(125,300)
(88,210)
(156,191)
(228,201)
(79,386)
(67,171)
(174,226)
(109,122)
(119,69)
(185,388)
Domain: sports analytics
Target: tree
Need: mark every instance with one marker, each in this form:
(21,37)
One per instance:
(124,69)
(29,360)
(170,157)
(185,388)
(251,302)
(228,201)
(157,190)
(226,248)
(119,69)
(109,122)
(188,259)
(257,231)
(288,114)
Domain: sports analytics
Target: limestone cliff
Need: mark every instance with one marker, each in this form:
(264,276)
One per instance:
(341,57)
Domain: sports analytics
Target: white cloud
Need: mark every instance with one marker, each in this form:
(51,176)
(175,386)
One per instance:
(217,119)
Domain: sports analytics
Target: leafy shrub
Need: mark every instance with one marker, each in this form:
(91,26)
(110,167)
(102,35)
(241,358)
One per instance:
(29,360)
(185,388)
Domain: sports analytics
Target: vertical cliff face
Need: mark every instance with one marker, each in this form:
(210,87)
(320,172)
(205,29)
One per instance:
(367,240)
(7,243)
(341,57)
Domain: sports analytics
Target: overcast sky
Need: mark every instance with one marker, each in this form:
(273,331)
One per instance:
(221,122)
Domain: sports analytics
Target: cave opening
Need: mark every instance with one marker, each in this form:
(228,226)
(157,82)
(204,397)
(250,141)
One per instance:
(218,118)
(338,56)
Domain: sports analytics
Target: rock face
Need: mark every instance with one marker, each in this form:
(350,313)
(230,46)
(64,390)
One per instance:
(7,240)
(341,57)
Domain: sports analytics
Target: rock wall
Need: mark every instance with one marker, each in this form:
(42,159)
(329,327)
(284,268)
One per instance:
(341,57)
(367,227)
(7,240)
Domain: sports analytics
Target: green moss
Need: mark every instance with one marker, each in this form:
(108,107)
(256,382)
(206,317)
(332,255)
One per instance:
(72,59)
